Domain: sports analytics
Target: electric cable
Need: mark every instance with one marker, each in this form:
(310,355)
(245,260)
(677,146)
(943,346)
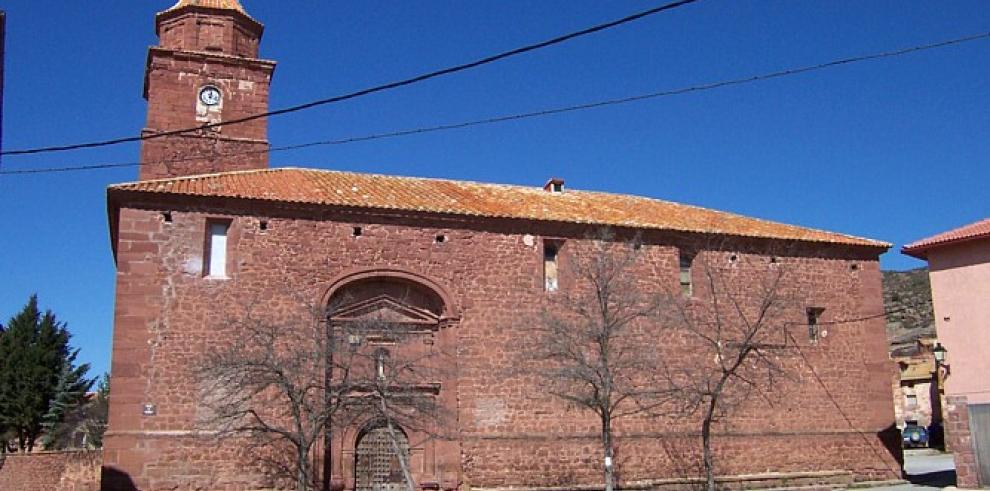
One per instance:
(363,92)
(534,114)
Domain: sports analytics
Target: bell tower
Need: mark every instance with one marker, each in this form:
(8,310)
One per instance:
(205,70)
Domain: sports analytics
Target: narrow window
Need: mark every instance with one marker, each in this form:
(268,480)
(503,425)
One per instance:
(814,330)
(685,273)
(216,249)
(550,267)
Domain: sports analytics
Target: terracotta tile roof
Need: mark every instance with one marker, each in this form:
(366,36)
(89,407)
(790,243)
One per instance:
(372,191)
(973,231)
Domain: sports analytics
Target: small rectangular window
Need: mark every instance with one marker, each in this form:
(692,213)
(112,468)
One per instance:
(685,274)
(216,249)
(814,330)
(911,400)
(550,267)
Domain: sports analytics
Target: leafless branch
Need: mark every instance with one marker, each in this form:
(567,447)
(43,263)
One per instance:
(594,342)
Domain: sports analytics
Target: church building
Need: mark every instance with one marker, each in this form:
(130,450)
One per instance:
(209,232)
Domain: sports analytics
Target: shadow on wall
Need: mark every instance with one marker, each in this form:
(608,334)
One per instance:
(937,479)
(115,480)
(891,439)
(683,459)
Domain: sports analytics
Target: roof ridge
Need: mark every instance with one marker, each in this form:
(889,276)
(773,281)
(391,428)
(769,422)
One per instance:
(533,189)
(193,177)
(423,178)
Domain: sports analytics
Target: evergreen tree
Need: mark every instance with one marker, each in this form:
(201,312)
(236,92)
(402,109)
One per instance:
(67,410)
(4,431)
(34,353)
(97,412)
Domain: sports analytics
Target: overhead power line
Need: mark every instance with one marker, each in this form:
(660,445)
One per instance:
(379,88)
(527,115)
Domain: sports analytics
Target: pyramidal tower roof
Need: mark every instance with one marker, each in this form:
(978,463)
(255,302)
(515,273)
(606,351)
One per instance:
(232,6)
(214,4)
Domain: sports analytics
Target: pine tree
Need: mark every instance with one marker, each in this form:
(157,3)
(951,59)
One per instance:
(66,410)
(34,352)
(4,430)
(97,412)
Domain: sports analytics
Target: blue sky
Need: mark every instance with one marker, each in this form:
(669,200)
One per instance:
(895,149)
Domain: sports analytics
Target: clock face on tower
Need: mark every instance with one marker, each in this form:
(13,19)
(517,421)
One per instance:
(209,95)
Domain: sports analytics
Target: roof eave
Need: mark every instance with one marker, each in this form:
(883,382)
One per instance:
(119,195)
(921,251)
(915,252)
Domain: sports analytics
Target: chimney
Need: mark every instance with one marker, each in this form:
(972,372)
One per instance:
(554,185)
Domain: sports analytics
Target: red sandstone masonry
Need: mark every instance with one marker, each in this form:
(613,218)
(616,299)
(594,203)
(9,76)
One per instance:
(511,433)
(960,440)
(51,471)
(196,49)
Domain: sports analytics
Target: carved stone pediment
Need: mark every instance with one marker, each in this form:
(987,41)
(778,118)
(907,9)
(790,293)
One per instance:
(385,308)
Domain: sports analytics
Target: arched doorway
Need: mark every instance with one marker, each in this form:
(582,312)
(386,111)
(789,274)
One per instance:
(397,327)
(376,463)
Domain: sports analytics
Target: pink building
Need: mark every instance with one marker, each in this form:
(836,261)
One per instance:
(959,265)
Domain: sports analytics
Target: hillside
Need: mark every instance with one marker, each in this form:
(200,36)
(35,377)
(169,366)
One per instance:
(907,298)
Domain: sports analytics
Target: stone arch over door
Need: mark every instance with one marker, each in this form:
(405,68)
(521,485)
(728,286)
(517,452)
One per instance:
(360,454)
(348,286)
(376,458)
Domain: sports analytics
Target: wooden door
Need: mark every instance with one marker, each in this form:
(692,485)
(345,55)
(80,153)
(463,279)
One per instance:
(376,466)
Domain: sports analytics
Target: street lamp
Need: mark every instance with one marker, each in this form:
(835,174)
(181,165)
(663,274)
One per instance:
(939,351)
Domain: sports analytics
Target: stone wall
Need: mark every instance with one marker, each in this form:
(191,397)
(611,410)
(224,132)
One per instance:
(959,441)
(921,408)
(51,471)
(832,414)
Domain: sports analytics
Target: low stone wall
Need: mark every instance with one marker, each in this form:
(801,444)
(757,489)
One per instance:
(806,481)
(52,471)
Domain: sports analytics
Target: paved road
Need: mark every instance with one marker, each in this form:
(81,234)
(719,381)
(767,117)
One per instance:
(927,470)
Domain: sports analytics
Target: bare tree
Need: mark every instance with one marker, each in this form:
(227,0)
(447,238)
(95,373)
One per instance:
(285,383)
(734,322)
(401,387)
(592,344)
(272,386)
